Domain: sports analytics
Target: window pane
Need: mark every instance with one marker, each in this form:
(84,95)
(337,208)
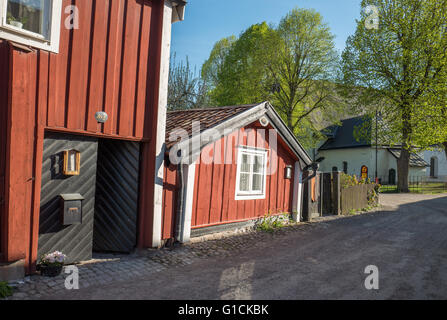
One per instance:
(257,182)
(245,165)
(244,182)
(258,166)
(30,15)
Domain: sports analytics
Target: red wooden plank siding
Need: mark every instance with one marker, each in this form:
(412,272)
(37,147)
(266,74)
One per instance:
(4,93)
(250,205)
(261,142)
(129,68)
(97,64)
(215,183)
(280,182)
(79,68)
(141,96)
(229,177)
(112,76)
(100,66)
(20,153)
(239,206)
(170,188)
(204,190)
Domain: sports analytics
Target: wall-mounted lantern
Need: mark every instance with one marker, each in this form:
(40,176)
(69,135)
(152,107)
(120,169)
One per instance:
(288,173)
(72,162)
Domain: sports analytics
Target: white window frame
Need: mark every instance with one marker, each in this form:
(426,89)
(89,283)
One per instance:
(250,195)
(29,38)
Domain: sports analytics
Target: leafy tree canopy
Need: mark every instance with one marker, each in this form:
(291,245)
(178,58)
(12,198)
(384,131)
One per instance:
(400,67)
(293,65)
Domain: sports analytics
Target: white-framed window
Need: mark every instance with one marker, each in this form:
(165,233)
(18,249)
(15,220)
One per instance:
(251,173)
(35,23)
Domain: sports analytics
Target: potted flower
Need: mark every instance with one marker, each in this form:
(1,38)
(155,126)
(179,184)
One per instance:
(51,264)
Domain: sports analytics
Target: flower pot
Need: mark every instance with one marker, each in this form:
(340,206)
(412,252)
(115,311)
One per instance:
(50,271)
(16,24)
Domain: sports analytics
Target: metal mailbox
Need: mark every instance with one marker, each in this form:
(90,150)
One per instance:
(71,208)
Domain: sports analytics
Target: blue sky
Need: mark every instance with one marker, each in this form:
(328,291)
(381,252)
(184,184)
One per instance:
(207,21)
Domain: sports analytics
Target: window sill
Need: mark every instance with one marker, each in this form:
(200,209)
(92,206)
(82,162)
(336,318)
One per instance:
(24,33)
(21,38)
(249,196)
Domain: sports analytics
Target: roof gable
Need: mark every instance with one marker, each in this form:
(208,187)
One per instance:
(226,119)
(208,118)
(345,136)
(415,160)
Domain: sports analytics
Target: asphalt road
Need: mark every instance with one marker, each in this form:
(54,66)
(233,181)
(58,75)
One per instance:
(406,240)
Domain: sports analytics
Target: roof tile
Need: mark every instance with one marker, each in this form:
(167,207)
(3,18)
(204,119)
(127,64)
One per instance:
(208,118)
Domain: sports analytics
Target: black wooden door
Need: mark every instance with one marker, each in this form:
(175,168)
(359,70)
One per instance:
(116,200)
(75,240)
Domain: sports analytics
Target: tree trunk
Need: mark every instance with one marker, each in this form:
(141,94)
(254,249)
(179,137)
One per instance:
(403,163)
(403,168)
(445,148)
(290,121)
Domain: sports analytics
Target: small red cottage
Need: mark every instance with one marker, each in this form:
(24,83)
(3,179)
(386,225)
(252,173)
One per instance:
(228,165)
(83,98)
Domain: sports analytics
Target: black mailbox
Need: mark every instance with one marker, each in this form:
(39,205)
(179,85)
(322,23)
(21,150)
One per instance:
(71,208)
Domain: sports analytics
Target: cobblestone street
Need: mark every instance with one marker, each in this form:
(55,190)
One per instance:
(325,259)
(110,268)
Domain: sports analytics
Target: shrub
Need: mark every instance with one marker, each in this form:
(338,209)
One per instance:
(271,222)
(5,290)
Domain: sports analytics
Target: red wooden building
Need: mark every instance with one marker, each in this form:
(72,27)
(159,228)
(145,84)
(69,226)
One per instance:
(82,118)
(227,165)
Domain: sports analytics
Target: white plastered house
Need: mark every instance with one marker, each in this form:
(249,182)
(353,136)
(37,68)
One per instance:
(344,152)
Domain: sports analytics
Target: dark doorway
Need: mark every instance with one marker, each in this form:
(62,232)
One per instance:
(392,177)
(433,167)
(116,199)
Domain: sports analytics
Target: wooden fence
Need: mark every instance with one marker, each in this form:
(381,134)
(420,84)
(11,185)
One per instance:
(355,197)
(331,197)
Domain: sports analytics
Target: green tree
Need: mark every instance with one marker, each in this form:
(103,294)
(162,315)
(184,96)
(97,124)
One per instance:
(302,64)
(400,67)
(186,90)
(236,68)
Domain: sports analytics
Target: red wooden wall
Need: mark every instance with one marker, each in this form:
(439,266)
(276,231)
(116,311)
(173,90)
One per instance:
(4,87)
(111,63)
(215,184)
(102,66)
(170,189)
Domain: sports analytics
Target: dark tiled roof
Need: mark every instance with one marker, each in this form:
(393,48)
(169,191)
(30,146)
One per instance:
(344,136)
(208,117)
(415,160)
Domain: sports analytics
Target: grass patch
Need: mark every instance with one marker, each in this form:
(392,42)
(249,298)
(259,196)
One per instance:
(423,188)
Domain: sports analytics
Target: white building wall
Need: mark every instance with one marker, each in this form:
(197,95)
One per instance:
(357,157)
